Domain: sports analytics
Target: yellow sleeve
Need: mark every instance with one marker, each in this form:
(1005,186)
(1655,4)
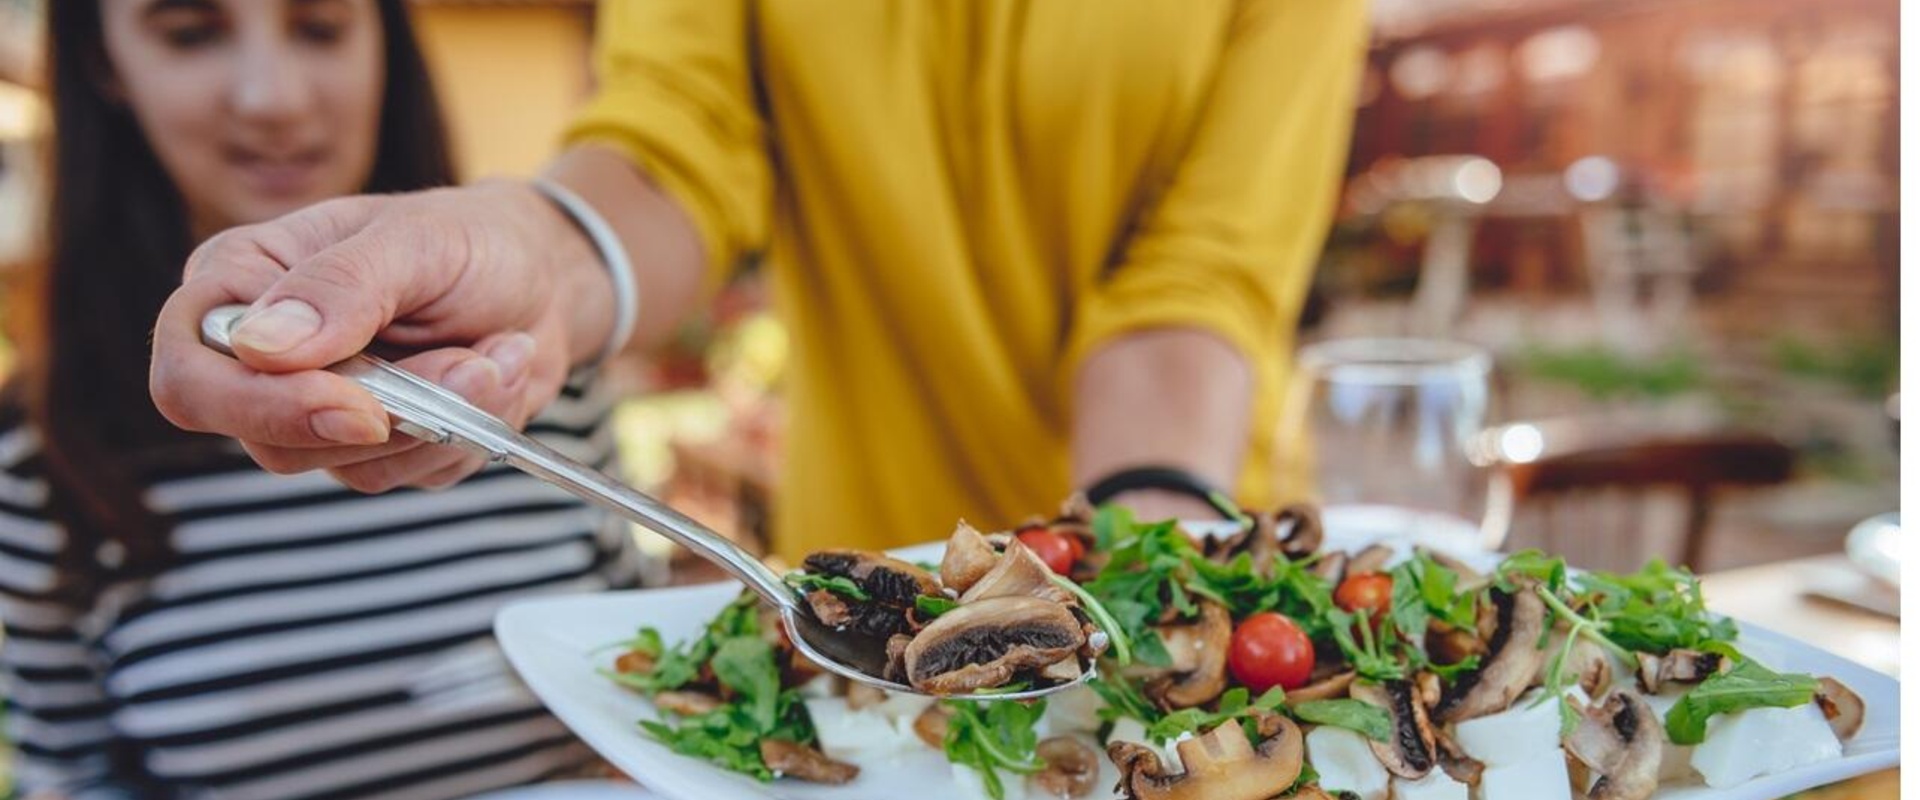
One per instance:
(1228,246)
(676,95)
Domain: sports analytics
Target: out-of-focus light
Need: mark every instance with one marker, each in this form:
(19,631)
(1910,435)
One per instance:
(1592,178)
(1522,444)
(1420,72)
(1477,180)
(1569,51)
(20,112)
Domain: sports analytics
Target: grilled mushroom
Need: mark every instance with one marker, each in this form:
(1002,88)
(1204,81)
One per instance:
(1017,572)
(1220,764)
(931,725)
(1679,666)
(1410,754)
(1372,559)
(968,558)
(896,669)
(1455,761)
(888,580)
(1199,650)
(800,761)
(1072,767)
(1843,709)
(1331,567)
(1450,645)
(1519,619)
(984,644)
(1619,739)
(1328,688)
(686,703)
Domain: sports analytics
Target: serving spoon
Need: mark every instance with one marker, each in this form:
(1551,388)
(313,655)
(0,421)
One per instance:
(426,411)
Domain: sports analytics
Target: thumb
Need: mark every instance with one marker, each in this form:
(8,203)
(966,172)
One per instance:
(332,303)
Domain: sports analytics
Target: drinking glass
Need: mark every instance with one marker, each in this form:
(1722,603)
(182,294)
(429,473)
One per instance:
(1388,430)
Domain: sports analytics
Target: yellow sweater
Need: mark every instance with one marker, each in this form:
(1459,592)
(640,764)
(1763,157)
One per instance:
(959,200)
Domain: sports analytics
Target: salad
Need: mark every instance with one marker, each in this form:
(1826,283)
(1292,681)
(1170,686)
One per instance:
(1248,666)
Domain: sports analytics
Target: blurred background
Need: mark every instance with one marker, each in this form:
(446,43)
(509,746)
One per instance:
(1670,225)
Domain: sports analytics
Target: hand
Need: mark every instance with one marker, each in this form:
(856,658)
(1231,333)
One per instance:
(490,284)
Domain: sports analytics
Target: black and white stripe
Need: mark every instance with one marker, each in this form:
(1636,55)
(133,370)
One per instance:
(309,642)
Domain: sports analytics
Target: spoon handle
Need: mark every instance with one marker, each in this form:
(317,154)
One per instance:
(428,412)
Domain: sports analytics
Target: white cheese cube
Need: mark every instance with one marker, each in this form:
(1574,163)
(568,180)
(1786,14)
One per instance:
(850,735)
(1541,776)
(1346,763)
(1438,785)
(1676,761)
(973,786)
(1518,733)
(1761,741)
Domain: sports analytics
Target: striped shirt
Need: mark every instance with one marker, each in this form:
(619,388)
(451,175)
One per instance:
(309,641)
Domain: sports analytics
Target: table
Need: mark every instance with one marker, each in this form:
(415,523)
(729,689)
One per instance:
(1775,596)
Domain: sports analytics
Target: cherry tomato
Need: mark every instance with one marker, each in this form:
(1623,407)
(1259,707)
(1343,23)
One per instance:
(1058,550)
(1372,591)
(1269,650)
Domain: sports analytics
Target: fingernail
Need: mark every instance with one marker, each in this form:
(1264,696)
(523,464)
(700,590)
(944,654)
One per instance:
(513,354)
(277,328)
(474,376)
(348,427)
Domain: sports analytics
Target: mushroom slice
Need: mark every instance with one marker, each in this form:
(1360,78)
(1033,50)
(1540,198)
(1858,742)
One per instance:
(1331,687)
(1679,666)
(1410,754)
(800,761)
(1220,764)
(896,669)
(1301,533)
(968,558)
(888,580)
(1372,559)
(1619,739)
(1844,710)
(1455,761)
(931,726)
(861,695)
(1519,619)
(984,644)
(1017,572)
(686,703)
(1467,575)
(1331,568)
(1201,648)
(1072,767)
(1450,645)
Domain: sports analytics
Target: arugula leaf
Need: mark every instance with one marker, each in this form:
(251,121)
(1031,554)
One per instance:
(1369,658)
(838,584)
(1747,685)
(1370,721)
(1234,705)
(1122,698)
(990,737)
(745,664)
(1117,638)
(933,606)
(1548,570)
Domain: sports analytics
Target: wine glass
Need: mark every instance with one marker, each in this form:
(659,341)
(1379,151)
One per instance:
(1386,432)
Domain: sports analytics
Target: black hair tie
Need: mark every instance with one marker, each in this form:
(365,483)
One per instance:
(1172,479)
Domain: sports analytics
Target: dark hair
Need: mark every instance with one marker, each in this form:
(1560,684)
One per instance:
(118,237)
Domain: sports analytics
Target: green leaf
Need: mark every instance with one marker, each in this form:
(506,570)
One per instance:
(991,737)
(840,585)
(745,664)
(1370,721)
(932,606)
(1747,685)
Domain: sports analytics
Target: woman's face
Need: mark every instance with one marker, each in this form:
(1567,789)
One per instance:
(255,107)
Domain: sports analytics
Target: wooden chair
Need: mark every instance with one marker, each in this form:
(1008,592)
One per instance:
(1558,460)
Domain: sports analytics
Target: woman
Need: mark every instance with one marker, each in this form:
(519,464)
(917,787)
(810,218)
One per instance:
(1023,247)
(179,621)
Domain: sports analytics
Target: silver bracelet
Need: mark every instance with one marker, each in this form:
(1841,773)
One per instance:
(626,291)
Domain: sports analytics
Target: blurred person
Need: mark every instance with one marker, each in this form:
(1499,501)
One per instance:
(178,621)
(1021,247)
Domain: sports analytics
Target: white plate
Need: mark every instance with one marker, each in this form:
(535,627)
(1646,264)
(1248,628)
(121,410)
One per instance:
(551,642)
